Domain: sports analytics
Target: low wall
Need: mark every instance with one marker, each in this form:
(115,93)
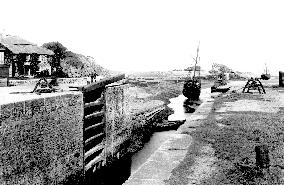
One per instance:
(41,140)
(73,81)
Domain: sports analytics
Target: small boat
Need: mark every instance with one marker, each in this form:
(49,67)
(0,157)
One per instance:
(265,76)
(221,85)
(192,86)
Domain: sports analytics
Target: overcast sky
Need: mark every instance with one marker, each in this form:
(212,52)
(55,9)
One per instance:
(156,34)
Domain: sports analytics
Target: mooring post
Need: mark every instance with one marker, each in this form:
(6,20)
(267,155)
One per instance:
(262,158)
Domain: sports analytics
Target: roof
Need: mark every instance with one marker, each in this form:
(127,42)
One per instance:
(18,45)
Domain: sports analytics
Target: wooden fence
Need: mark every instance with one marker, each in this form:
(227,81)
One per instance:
(94,123)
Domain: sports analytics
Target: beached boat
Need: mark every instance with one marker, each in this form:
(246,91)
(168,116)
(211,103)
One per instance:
(192,89)
(192,86)
(265,76)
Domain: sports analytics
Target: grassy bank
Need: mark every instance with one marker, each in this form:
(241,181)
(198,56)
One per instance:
(163,91)
(234,135)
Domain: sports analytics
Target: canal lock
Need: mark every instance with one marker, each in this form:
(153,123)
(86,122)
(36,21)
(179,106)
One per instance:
(147,140)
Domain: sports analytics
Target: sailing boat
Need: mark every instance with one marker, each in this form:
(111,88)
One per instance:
(265,76)
(192,86)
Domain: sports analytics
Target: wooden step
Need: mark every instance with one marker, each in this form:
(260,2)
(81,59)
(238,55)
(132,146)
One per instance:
(93,150)
(93,162)
(95,114)
(92,127)
(99,101)
(91,139)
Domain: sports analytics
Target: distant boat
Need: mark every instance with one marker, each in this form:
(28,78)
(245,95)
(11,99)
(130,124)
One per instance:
(265,76)
(192,86)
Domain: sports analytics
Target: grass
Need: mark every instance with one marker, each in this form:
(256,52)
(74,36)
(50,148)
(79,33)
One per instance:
(235,142)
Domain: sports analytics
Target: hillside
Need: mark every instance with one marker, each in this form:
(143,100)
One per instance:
(78,65)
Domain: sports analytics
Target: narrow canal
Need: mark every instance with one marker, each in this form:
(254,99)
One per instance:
(158,138)
(178,104)
(149,148)
(120,171)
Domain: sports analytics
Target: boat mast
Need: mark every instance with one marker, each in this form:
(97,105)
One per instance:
(196,60)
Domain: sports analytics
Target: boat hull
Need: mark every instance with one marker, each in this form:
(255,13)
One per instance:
(265,76)
(192,89)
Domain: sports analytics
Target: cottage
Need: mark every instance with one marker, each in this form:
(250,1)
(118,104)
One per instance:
(23,57)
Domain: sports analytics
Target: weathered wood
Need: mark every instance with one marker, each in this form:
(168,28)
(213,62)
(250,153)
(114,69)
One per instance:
(254,83)
(96,114)
(99,101)
(281,79)
(102,83)
(94,150)
(94,126)
(262,156)
(94,131)
(91,139)
(153,113)
(93,162)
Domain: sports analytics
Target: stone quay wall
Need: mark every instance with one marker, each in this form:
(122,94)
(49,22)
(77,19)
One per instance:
(126,122)
(41,140)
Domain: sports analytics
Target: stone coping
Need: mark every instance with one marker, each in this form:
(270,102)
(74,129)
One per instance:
(32,81)
(13,95)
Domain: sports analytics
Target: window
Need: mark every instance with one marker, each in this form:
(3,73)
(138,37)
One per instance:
(1,57)
(28,57)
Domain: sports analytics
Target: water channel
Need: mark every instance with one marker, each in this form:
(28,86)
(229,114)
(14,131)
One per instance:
(156,140)
(122,169)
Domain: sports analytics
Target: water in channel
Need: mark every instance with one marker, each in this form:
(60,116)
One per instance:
(149,148)
(158,138)
(122,169)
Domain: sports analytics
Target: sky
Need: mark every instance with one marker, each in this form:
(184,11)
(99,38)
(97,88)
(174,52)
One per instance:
(132,35)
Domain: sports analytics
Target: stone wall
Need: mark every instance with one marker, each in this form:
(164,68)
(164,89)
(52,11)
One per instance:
(118,128)
(41,140)
(64,81)
(126,122)
(74,81)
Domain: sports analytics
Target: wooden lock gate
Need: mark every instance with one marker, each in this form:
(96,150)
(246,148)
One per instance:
(94,133)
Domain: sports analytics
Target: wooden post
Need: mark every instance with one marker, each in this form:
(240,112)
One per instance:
(262,157)
(281,75)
